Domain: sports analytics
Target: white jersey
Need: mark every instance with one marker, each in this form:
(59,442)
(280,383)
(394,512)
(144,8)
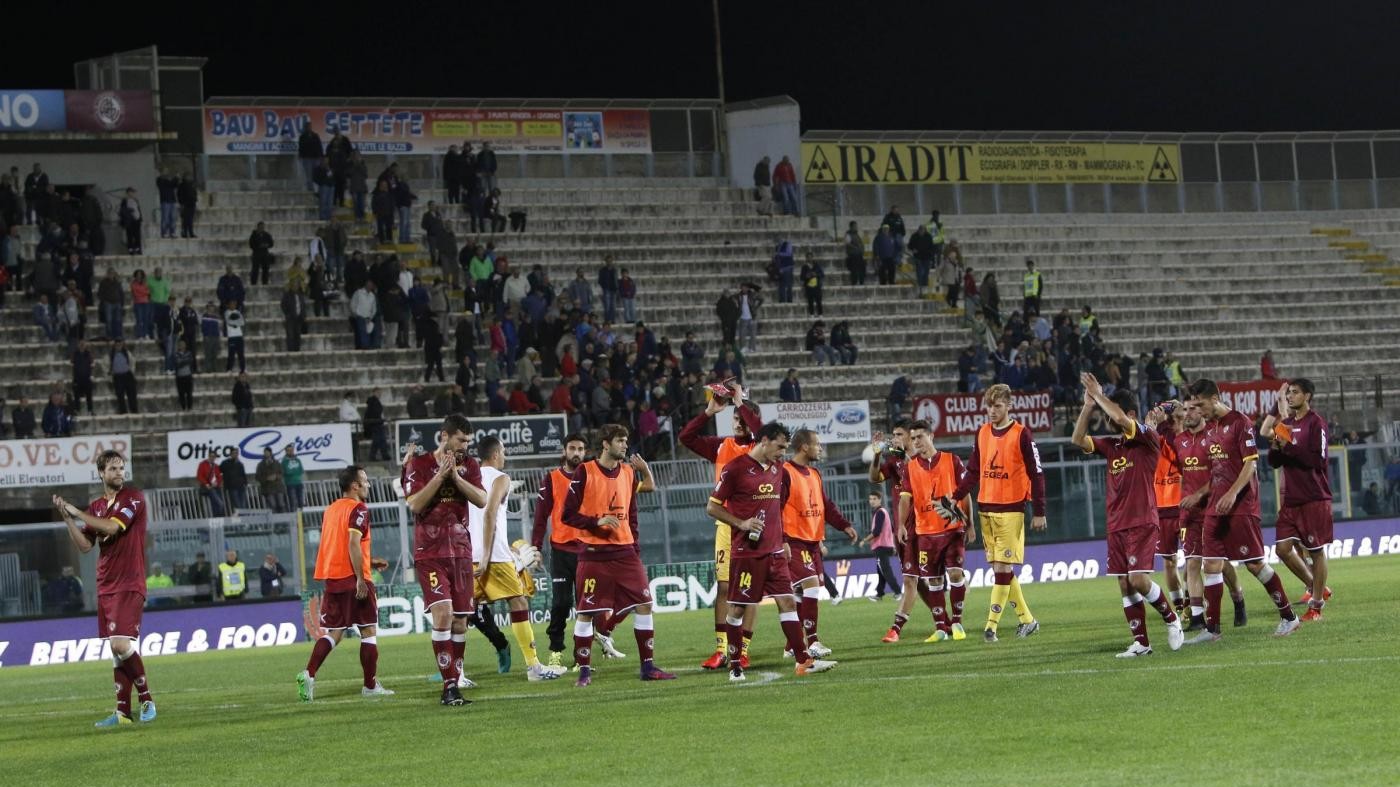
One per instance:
(500,550)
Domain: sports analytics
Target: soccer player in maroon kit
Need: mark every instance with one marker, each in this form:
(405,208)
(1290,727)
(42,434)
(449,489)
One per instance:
(610,579)
(748,498)
(1131,502)
(1299,446)
(439,486)
(116,524)
(1189,447)
(1231,528)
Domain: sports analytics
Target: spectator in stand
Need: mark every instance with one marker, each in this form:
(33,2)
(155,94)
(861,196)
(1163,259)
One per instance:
(271,487)
(692,355)
(234,327)
(727,311)
(991,300)
(1268,370)
(184,376)
(452,174)
(141,306)
(813,279)
(403,204)
(211,327)
(886,251)
(816,345)
(22,419)
(393,309)
(123,377)
(935,229)
(484,168)
(1087,321)
(309,154)
(375,426)
(296,276)
(261,244)
(338,152)
(167,193)
(895,222)
(292,477)
(65,594)
(432,351)
(841,340)
(293,316)
(763,187)
(749,302)
(210,477)
(72,315)
(56,420)
(229,290)
(790,390)
(45,320)
(35,184)
(129,217)
(449,401)
(968,379)
(384,208)
(495,213)
(364,305)
(318,284)
(357,176)
(607,285)
(922,247)
(324,180)
(950,280)
(785,185)
(1032,283)
(580,291)
(83,368)
(111,302)
(188,195)
(271,572)
(900,391)
(855,254)
(784,264)
(242,401)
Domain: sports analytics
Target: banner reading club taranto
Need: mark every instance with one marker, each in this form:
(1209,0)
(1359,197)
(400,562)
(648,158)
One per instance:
(241,130)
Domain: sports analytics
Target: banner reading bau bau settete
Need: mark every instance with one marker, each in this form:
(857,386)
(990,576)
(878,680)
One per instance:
(238,130)
(859,162)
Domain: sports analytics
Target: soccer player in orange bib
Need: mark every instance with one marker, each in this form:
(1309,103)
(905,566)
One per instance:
(806,513)
(1133,527)
(115,523)
(1298,444)
(343,563)
(927,478)
(1231,529)
(1005,470)
(887,464)
(1166,422)
(602,504)
(564,543)
(721,451)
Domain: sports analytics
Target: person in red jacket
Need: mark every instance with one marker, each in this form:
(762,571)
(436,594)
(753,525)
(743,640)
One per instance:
(785,181)
(211,484)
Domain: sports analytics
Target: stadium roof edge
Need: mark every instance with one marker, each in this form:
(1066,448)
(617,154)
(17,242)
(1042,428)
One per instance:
(760,103)
(820,135)
(462,103)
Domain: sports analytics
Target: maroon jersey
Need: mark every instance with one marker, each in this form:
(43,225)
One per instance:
(893,471)
(1304,461)
(1192,459)
(121,561)
(1132,471)
(747,490)
(1229,444)
(440,530)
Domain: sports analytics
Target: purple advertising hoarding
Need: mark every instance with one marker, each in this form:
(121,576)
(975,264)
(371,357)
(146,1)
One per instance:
(163,632)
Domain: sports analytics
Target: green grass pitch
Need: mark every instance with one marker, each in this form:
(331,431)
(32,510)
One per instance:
(1320,707)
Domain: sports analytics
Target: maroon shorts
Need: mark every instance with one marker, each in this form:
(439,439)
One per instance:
(119,614)
(1192,521)
(341,610)
(446,580)
(752,579)
(1310,524)
(1168,533)
(806,560)
(616,585)
(909,554)
(939,552)
(1132,550)
(1233,537)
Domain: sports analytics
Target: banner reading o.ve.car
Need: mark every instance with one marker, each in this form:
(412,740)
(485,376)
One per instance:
(318,446)
(957,414)
(835,422)
(57,461)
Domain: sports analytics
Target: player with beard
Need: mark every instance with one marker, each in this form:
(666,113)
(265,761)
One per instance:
(806,513)
(1231,528)
(564,542)
(894,456)
(1133,527)
(115,523)
(439,486)
(1298,445)
(939,536)
(720,451)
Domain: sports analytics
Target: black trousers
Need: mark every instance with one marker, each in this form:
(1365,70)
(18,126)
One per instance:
(814,301)
(133,237)
(125,387)
(261,263)
(82,389)
(485,621)
(187,221)
(562,568)
(886,576)
(184,390)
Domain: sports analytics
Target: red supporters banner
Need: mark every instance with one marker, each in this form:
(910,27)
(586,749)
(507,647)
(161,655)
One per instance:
(1254,399)
(109,110)
(958,414)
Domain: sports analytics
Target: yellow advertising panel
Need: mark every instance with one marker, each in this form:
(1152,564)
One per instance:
(989,162)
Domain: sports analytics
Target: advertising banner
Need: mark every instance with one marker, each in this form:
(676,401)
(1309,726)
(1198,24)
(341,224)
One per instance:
(1254,398)
(522,435)
(163,632)
(989,162)
(958,414)
(236,130)
(58,461)
(836,422)
(109,110)
(318,446)
(32,110)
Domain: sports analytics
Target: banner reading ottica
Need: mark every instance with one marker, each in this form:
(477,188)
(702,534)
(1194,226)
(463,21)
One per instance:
(521,435)
(58,461)
(234,130)
(318,446)
(952,415)
(835,422)
(989,162)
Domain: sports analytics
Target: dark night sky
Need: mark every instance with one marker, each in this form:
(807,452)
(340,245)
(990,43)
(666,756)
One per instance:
(891,65)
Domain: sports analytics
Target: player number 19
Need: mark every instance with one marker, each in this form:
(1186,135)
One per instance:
(589,585)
